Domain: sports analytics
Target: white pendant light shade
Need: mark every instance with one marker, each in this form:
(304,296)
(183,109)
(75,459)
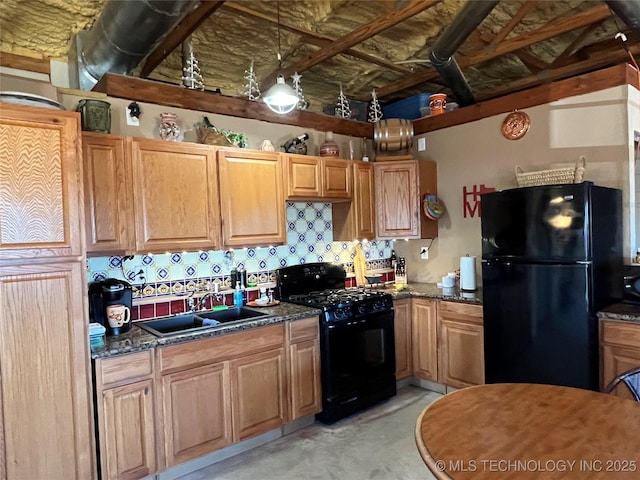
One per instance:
(281,98)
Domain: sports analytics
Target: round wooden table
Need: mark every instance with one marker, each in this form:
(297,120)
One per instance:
(526,431)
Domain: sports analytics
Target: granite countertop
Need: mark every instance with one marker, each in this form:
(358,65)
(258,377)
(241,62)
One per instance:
(621,311)
(431,290)
(137,339)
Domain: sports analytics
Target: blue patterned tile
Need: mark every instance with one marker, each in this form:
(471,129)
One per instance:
(162,274)
(320,258)
(148,260)
(283,262)
(176,258)
(203,256)
(262,265)
(251,252)
(311,249)
(292,249)
(115,262)
(301,260)
(190,271)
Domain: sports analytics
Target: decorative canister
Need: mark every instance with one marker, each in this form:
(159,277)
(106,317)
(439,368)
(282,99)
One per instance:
(169,129)
(95,115)
(437,101)
(329,148)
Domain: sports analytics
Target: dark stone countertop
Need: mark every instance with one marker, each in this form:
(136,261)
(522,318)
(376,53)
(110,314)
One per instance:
(136,339)
(621,311)
(431,290)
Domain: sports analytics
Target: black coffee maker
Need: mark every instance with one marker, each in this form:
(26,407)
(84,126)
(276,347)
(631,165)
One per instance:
(110,305)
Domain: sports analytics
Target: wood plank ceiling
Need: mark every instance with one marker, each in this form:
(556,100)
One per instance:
(361,45)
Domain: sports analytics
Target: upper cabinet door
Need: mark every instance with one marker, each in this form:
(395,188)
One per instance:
(364,218)
(337,182)
(251,198)
(108,193)
(397,202)
(304,177)
(175,193)
(40,184)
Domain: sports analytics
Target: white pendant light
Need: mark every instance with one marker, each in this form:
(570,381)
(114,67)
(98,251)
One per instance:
(280,98)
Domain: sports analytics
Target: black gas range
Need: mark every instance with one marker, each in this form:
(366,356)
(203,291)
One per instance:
(357,346)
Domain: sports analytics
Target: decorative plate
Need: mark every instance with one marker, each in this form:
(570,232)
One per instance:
(515,125)
(432,208)
(23,98)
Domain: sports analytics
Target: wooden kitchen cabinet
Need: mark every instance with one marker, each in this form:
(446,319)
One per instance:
(40,184)
(400,187)
(46,414)
(356,220)
(257,393)
(318,179)
(402,330)
(220,390)
(108,193)
(461,344)
(126,416)
(251,197)
(304,368)
(197,406)
(424,335)
(619,352)
(45,381)
(175,195)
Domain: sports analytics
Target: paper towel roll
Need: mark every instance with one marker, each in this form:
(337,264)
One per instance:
(467,273)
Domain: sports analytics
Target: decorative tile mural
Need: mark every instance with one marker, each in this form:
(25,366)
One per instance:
(309,239)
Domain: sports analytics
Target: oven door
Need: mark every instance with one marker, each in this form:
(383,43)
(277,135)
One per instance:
(358,358)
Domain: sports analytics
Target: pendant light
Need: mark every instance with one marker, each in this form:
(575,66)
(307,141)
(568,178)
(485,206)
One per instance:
(280,98)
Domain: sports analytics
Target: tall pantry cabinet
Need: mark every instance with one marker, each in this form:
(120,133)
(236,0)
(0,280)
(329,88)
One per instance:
(45,395)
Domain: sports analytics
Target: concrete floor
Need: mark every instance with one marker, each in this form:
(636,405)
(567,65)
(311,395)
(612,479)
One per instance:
(376,444)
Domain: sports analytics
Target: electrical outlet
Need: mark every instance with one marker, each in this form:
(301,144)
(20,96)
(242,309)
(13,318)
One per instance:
(424,253)
(133,121)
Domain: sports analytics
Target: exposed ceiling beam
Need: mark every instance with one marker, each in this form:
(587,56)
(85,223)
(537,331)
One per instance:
(522,12)
(599,60)
(566,53)
(533,63)
(314,39)
(550,30)
(20,62)
(186,27)
(359,35)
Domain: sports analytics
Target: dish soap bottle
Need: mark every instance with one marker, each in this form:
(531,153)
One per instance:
(237,296)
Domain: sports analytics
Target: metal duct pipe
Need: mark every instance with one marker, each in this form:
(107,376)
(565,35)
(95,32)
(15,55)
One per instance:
(441,55)
(124,34)
(628,11)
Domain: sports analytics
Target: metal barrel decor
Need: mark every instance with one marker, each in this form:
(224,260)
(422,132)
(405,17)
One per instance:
(393,134)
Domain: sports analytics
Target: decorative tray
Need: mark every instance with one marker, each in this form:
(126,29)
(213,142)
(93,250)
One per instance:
(270,304)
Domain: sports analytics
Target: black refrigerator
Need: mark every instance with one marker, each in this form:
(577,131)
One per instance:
(551,258)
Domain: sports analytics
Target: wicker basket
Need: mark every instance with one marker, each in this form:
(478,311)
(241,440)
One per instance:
(210,137)
(552,177)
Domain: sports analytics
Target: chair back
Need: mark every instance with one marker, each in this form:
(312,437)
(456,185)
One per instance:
(631,378)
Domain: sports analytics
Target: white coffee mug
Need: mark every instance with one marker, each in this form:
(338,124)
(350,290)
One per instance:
(118,315)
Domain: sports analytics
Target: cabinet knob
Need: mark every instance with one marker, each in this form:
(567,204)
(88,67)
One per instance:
(146,390)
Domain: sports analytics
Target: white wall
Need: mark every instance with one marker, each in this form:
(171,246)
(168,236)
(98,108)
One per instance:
(595,125)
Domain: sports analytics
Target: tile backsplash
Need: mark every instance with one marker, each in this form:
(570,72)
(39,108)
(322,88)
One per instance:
(309,239)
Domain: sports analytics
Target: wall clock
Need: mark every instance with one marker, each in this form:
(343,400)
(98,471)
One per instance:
(515,125)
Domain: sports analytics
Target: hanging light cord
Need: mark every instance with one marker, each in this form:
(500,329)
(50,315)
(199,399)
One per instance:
(278,23)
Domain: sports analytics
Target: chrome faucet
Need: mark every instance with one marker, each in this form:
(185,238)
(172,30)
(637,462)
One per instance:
(199,303)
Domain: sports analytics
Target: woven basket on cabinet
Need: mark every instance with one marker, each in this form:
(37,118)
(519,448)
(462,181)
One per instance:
(553,176)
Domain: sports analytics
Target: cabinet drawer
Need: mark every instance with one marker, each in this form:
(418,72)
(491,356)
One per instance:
(461,312)
(220,348)
(301,330)
(124,367)
(620,333)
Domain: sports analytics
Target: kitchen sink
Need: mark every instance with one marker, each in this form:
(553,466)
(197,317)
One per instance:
(197,321)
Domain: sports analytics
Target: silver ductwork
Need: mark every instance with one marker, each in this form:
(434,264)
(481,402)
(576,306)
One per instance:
(628,11)
(124,34)
(441,56)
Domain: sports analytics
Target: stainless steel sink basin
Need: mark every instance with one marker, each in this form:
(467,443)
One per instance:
(193,322)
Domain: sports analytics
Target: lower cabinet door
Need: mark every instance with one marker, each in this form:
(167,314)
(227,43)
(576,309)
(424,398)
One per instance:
(305,378)
(258,393)
(461,354)
(424,332)
(402,330)
(615,360)
(128,444)
(196,412)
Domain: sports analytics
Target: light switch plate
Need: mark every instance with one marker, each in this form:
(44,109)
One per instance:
(422,144)
(424,253)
